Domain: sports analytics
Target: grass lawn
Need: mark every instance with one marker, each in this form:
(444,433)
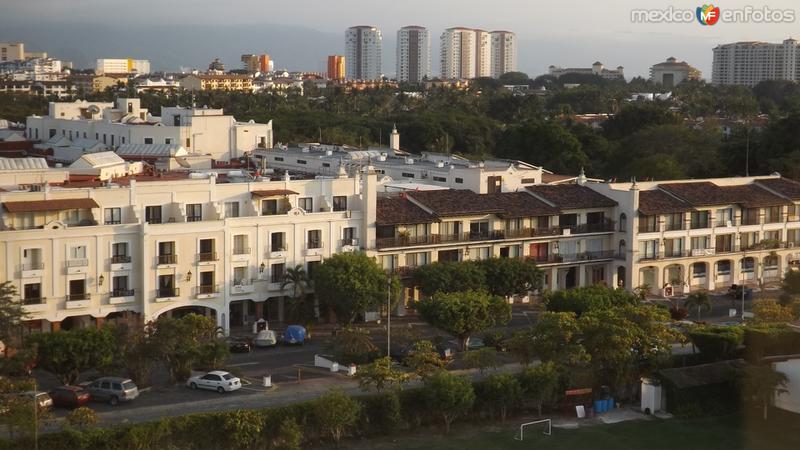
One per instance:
(725,432)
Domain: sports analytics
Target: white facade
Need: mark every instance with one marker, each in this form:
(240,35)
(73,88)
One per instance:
(122,65)
(149,245)
(201,130)
(413,54)
(748,63)
(12,51)
(363,53)
(465,53)
(672,72)
(504,52)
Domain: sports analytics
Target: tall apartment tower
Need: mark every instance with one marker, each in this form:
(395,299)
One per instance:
(363,53)
(256,63)
(465,53)
(336,67)
(504,52)
(748,63)
(413,54)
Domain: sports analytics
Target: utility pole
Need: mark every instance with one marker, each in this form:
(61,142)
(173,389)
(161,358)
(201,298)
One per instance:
(389,318)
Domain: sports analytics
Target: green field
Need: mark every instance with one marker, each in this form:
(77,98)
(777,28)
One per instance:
(726,432)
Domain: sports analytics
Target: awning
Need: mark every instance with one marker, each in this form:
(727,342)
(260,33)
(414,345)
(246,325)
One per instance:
(272,193)
(50,205)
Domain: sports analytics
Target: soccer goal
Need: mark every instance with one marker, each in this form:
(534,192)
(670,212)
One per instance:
(548,431)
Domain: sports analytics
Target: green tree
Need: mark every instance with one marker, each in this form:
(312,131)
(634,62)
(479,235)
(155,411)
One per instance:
(540,384)
(761,383)
(583,299)
(82,417)
(717,342)
(380,374)
(11,313)
(791,282)
(501,392)
(243,427)
(555,337)
(179,342)
(352,283)
(464,313)
(353,345)
(334,413)
(135,351)
(699,301)
(450,277)
(448,395)
(507,277)
(423,358)
(301,307)
(67,354)
(482,359)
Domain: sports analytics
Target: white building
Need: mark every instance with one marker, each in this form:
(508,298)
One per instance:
(465,53)
(748,63)
(123,65)
(504,52)
(83,253)
(413,54)
(200,130)
(596,69)
(672,72)
(363,53)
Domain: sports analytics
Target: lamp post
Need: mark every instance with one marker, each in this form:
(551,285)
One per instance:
(389,317)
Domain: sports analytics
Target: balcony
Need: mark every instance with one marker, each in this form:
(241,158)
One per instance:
(205,291)
(120,262)
(407,241)
(402,271)
(207,257)
(30,270)
(484,235)
(35,304)
(166,294)
(75,266)
(314,248)
(240,254)
(122,296)
(242,287)
(167,259)
(349,244)
(557,258)
(75,301)
(532,232)
(278,251)
(605,226)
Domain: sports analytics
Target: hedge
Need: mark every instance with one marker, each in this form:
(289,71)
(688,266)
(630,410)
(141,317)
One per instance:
(717,343)
(770,340)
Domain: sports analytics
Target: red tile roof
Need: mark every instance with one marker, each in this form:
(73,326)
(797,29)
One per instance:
(783,186)
(656,201)
(706,193)
(50,205)
(401,211)
(272,193)
(571,196)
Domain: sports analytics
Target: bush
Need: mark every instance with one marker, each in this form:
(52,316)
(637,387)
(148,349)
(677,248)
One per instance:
(242,427)
(82,417)
(717,342)
(448,396)
(770,311)
(499,393)
(335,413)
(770,340)
(580,300)
(482,359)
(495,339)
(678,313)
(380,414)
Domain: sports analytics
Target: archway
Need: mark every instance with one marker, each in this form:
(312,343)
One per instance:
(648,276)
(747,268)
(623,222)
(723,271)
(182,311)
(76,322)
(621,276)
(699,274)
(771,268)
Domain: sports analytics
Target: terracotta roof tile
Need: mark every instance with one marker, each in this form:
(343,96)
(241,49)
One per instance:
(455,202)
(571,196)
(656,201)
(401,211)
(783,186)
(272,193)
(519,204)
(50,205)
(706,193)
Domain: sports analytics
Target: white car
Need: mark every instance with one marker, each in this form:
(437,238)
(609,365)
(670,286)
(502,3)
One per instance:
(216,380)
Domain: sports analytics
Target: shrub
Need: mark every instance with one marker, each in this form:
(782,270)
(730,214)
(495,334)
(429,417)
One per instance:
(678,313)
(242,427)
(380,414)
(499,393)
(335,413)
(449,396)
(82,417)
(495,339)
(423,358)
(717,342)
(770,311)
(482,359)
(769,340)
(580,300)
(539,384)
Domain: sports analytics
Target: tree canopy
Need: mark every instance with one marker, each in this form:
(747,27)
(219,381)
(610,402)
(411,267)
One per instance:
(464,313)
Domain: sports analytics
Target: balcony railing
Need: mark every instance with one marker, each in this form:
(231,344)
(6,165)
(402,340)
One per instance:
(168,292)
(242,282)
(34,300)
(207,256)
(78,297)
(33,266)
(77,262)
(208,289)
(600,227)
(241,250)
(352,242)
(402,271)
(532,232)
(122,293)
(405,241)
(167,259)
(313,245)
(120,259)
(555,258)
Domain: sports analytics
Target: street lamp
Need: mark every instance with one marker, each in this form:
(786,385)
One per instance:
(100,280)
(189,276)
(389,318)
(262,267)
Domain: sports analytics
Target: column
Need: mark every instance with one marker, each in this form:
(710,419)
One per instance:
(711,278)
(581,272)
(259,310)
(99,321)
(553,279)
(55,326)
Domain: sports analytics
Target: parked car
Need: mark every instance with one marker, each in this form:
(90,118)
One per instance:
(265,338)
(216,380)
(294,334)
(43,399)
(70,396)
(113,390)
(239,346)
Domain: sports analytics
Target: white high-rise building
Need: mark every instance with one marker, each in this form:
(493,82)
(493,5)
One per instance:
(748,63)
(363,53)
(125,65)
(413,54)
(465,53)
(504,52)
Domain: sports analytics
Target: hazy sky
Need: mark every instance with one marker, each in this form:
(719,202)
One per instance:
(568,33)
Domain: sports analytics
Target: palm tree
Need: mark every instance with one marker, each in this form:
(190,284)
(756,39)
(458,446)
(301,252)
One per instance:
(761,383)
(297,278)
(699,300)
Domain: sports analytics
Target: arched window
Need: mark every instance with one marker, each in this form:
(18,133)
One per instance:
(623,222)
(622,248)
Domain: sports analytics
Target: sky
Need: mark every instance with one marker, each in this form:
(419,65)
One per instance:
(574,33)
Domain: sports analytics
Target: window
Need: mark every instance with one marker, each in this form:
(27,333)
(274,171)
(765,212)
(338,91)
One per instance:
(648,224)
(314,238)
(231,209)
(240,276)
(724,267)
(648,249)
(724,217)
(699,219)
(166,253)
(77,252)
(113,216)
(194,212)
(407,174)
(277,272)
(699,270)
(440,179)
(119,286)
(306,204)
(326,164)
(168,141)
(449,255)
(207,282)
(494,184)
(32,293)
(748,265)
(748,240)
(724,243)
(302,161)
(278,158)
(207,252)
(166,286)
(623,222)
(674,221)
(750,216)
(152,214)
(147,140)
(773,236)
(388,262)
(277,242)
(339,203)
(419,259)
(700,242)
(479,230)
(673,247)
(311,268)
(542,222)
(269,207)
(773,214)
(349,236)
(568,220)
(119,253)
(240,245)
(77,290)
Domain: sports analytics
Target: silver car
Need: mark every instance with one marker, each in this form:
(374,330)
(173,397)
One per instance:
(113,390)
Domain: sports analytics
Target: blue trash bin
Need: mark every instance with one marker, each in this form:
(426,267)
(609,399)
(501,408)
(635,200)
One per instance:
(610,404)
(599,406)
